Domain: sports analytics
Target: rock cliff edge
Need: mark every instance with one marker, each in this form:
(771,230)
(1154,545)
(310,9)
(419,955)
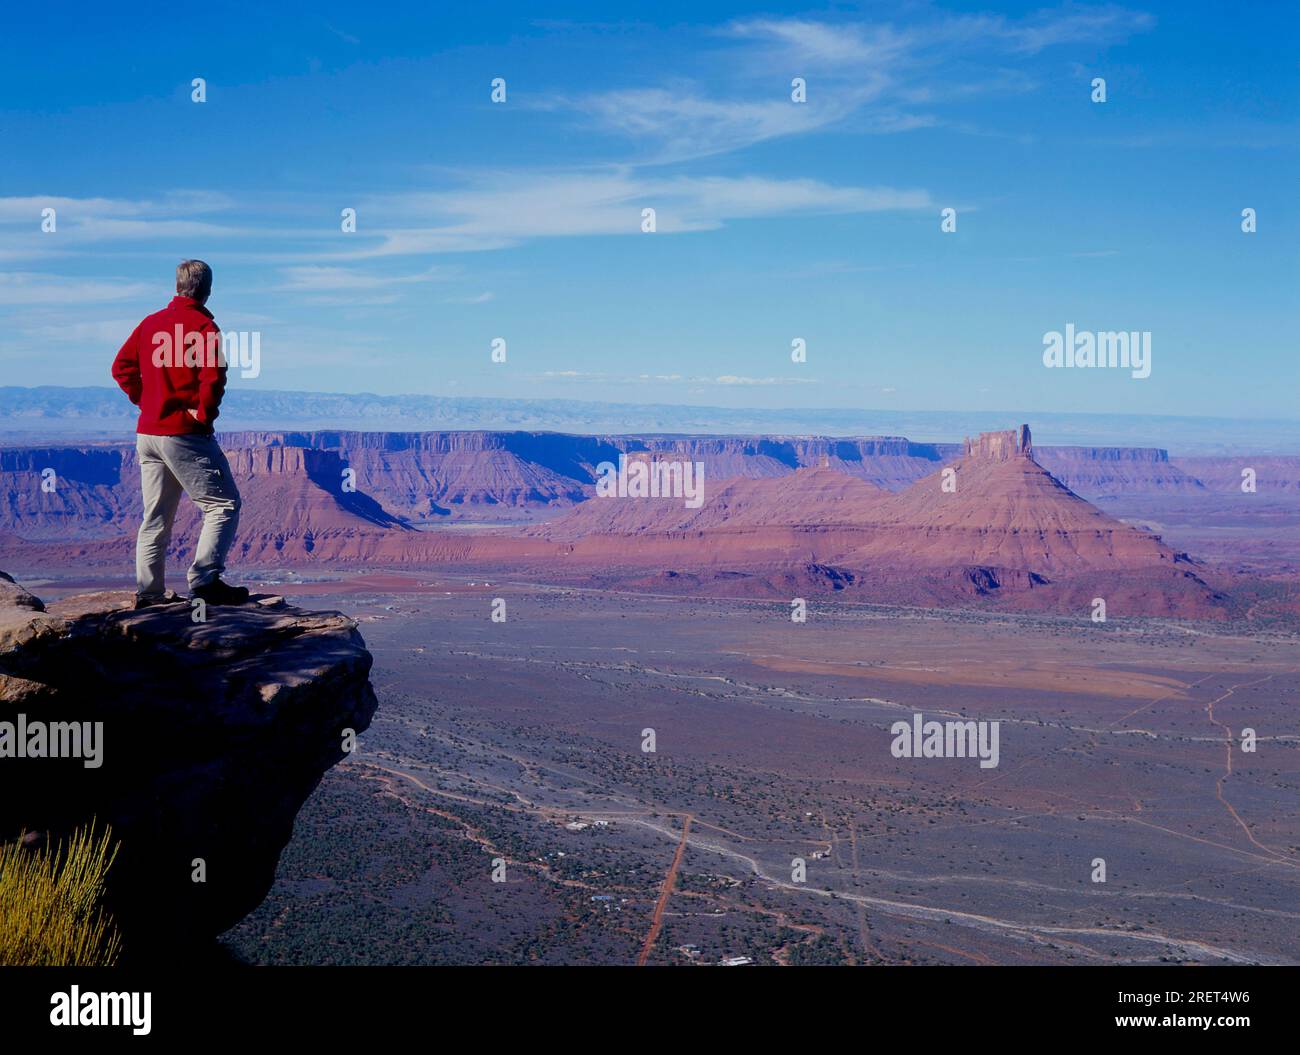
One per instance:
(197,741)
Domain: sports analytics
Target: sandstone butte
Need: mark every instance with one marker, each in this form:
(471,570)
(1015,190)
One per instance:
(1003,528)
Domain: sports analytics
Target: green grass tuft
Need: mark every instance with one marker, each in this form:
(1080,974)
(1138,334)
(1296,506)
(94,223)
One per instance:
(50,914)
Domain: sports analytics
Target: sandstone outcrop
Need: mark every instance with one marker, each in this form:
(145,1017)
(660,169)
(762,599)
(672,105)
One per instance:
(1274,474)
(993,527)
(207,738)
(1103,472)
(815,495)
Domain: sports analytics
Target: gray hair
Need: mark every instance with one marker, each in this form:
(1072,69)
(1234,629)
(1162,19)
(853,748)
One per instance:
(193,279)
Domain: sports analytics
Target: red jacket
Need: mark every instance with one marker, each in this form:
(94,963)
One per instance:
(172,363)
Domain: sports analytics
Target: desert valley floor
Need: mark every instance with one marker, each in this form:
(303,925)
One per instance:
(521,742)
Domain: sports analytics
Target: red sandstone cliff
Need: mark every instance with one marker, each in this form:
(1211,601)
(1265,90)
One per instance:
(1008,528)
(439,477)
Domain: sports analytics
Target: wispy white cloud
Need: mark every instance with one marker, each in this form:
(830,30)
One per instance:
(77,221)
(1067,25)
(101,229)
(98,332)
(732,379)
(33,288)
(347,38)
(830,46)
(824,46)
(180,203)
(314,278)
(873,72)
(511,208)
(682,124)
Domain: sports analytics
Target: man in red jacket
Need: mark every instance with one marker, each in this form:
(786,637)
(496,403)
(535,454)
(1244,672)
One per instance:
(173,369)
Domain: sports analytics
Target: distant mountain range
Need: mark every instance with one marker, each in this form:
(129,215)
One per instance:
(29,413)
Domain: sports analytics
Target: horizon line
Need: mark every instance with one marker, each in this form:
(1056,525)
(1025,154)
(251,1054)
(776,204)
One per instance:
(552,400)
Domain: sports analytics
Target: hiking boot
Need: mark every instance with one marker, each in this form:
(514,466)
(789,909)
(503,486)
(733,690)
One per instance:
(154,600)
(218,592)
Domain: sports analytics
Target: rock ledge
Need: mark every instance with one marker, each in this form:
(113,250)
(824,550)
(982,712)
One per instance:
(209,736)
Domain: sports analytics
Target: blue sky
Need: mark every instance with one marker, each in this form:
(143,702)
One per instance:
(775,219)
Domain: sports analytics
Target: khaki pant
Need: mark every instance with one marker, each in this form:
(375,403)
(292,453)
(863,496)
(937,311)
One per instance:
(196,465)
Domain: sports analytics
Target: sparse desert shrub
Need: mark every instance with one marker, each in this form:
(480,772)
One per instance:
(50,903)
